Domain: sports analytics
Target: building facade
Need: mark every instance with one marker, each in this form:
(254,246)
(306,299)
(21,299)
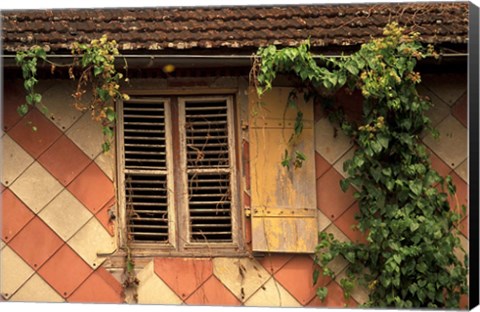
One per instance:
(193,194)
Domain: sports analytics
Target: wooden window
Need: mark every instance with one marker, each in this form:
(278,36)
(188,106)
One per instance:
(177,178)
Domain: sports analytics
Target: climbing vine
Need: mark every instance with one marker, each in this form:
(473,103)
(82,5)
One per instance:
(28,62)
(96,61)
(408,260)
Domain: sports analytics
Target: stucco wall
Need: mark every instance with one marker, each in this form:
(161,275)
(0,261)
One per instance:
(57,191)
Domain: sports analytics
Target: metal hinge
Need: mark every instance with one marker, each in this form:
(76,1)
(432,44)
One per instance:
(248,212)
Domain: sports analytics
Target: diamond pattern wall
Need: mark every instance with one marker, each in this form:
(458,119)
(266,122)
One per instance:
(55,236)
(47,230)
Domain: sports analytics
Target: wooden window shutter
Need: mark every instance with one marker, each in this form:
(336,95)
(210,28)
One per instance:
(283,201)
(207,142)
(147,170)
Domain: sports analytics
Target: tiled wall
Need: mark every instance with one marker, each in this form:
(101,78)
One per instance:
(57,191)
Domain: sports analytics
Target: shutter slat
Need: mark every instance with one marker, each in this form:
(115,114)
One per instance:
(144,144)
(150,211)
(152,138)
(206,116)
(205,123)
(148,204)
(141,109)
(208,210)
(217,152)
(143,131)
(140,153)
(144,226)
(209,130)
(206,108)
(139,235)
(159,146)
(143,116)
(207,147)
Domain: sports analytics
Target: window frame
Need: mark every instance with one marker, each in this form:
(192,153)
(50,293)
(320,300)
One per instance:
(178,220)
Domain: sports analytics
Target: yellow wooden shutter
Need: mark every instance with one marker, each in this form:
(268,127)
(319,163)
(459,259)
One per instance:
(284,213)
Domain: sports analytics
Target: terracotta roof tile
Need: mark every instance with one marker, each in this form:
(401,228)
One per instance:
(232,27)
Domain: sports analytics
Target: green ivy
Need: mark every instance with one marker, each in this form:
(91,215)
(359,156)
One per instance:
(28,60)
(409,260)
(97,63)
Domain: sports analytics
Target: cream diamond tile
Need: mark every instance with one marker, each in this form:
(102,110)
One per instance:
(462,170)
(339,163)
(36,290)
(227,270)
(2,244)
(87,134)
(36,187)
(59,102)
(13,272)
(90,240)
(452,144)
(329,143)
(323,221)
(338,263)
(152,290)
(359,293)
(14,160)
(65,215)
(272,294)
(449,87)
(439,110)
(106,162)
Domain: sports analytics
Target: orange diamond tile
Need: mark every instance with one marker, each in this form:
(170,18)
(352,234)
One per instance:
(297,278)
(334,299)
(331,200)
(65,271)
(213,292)
(64,160)
(92,187)
(460,110)
(321,165)
(461,196)
(12,98)
(14,215)
(100,287)
(36,243)
(104,216)
(464,302)
(438,164)
(183,275)
(274,262)
(463,226)
(345,222)
(35,142)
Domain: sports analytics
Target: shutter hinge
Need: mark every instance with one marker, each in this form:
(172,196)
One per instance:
(248,212)
(244,125)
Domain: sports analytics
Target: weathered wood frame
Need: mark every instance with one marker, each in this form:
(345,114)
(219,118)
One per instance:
(179,244)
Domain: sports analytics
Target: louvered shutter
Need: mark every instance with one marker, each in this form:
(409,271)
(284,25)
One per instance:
(146,164)
(283,200)
(207,143)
